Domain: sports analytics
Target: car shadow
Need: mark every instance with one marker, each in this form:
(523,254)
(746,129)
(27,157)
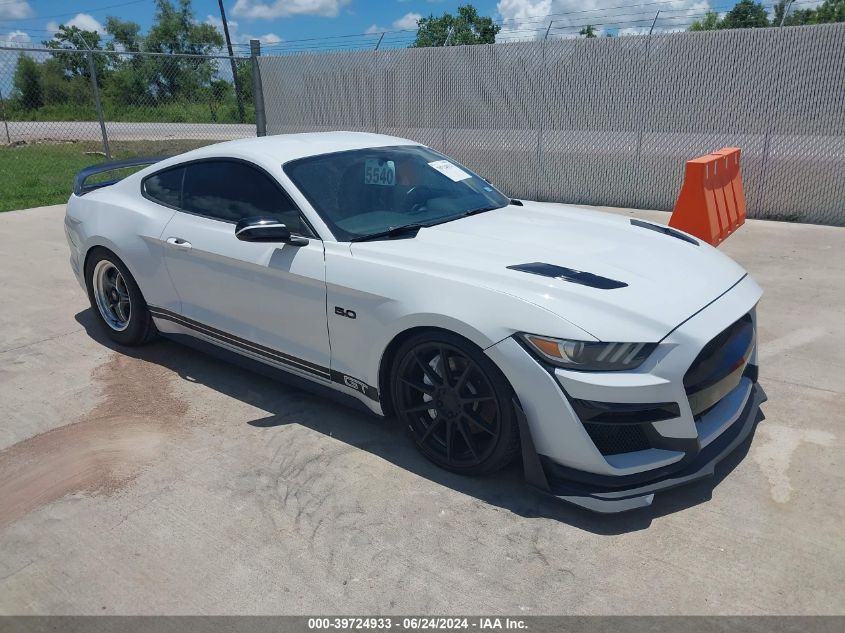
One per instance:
(291,400)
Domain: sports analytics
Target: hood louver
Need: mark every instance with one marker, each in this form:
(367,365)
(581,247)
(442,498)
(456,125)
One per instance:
(569,274)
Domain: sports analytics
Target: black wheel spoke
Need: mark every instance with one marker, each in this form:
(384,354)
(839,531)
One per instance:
(429,372)
(463,378)
(444,363)
(450,432)
(419,386)
(467,435)
(425,406)
(430,429)
(476,399)
(480,422)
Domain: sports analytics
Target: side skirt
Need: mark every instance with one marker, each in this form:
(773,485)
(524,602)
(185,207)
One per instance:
(266,354)
(269,371)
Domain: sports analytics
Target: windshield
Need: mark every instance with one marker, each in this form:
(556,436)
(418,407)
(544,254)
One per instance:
(365,192)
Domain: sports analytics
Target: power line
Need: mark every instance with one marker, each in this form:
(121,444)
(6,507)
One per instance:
(523,30)
(61,15)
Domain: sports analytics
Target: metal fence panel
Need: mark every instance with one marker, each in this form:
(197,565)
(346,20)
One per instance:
(606,121)
(62,110)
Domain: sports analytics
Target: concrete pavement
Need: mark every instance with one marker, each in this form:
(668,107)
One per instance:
(160,480)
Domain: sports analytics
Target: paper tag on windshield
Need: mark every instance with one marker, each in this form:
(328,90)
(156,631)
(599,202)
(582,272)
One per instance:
(450,170)
(379,172)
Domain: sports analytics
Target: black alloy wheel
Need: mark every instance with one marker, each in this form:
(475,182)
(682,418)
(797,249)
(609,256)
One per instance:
(456,403)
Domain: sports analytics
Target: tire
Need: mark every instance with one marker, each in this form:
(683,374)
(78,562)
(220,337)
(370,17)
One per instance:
(464,421)
(116,300)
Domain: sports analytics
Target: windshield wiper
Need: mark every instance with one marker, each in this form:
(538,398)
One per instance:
(416,226)
(391,232)
(466,214)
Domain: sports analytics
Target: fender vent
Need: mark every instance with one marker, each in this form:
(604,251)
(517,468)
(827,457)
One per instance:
(569,274)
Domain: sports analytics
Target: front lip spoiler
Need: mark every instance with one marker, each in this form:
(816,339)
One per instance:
(608,500)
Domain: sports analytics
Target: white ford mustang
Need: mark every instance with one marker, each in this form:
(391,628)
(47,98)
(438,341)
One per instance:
(618,357)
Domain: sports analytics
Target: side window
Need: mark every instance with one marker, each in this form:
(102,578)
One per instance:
(165,186)
(231,191)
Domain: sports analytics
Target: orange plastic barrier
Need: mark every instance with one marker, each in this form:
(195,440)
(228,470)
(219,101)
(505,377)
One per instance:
(711,204)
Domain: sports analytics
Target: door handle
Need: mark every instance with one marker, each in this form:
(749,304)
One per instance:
(178,242)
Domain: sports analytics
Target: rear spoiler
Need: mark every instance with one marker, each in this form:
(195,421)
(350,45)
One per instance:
(80,188)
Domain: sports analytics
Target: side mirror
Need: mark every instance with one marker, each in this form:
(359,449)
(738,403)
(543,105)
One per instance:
(266,230)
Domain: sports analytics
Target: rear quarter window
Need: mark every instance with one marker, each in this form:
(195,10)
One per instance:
(165,187)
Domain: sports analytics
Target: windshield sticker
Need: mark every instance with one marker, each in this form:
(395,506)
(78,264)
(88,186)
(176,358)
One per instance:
(379,172)
(450,170)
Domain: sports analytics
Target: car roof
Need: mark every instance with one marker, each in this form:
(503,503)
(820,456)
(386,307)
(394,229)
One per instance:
(282,148)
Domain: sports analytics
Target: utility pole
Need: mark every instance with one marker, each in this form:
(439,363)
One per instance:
(379,41)
(448,36)
(232,62)
(548,29)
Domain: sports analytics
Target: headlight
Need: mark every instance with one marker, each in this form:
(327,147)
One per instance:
(588,355)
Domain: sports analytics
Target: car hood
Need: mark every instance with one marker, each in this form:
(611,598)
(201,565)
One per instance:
(667,279)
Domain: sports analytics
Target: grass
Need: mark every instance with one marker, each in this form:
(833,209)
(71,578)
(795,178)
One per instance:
(179,112)
(40,174)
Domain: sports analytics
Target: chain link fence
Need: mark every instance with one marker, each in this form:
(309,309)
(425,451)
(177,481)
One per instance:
(604,121)
(607,121)
(64,109)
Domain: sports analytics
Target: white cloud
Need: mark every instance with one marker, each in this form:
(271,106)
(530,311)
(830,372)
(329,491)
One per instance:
(217,23)
(286,8)
(407,22)
(15,38)
(15,10)
(241,38)
(81,21)
(526,19)
(267,38)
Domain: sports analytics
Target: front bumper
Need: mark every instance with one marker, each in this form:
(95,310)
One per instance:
(610,495)
(676,434)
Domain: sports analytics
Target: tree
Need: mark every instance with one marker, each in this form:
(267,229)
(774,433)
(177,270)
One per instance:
(468,27)
(75,64)
(710,22)
(828,11)
(125,34)
(588,31)
(176,31)
(27,83)
(746,14)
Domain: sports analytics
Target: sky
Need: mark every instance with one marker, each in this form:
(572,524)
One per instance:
(309,24)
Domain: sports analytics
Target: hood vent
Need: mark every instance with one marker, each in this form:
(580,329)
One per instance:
(569,274)
(663,229)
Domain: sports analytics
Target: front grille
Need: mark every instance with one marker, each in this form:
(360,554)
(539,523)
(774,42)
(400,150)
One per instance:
(720,355)
(612,439)
(721,358)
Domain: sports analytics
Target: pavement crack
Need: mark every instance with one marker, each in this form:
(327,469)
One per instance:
(43,340)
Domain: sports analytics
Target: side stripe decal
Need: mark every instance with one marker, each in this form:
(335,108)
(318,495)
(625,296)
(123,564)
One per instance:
(267,352)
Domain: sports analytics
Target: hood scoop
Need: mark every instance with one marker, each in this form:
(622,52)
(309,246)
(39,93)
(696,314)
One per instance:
(569,274)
